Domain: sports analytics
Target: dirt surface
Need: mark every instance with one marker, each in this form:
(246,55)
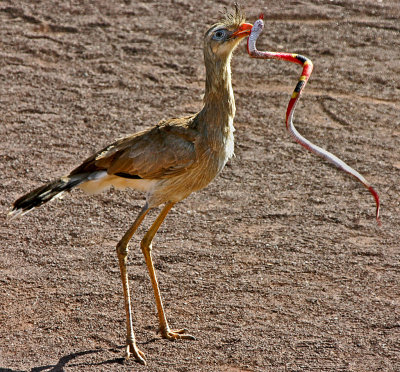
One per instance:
(278,265)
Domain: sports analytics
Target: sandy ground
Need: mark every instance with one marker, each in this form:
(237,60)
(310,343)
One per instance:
(278,265)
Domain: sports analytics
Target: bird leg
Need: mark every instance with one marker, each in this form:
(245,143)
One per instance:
(146,246)
(122,252)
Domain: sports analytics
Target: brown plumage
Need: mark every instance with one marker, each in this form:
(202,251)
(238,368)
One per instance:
(168,161)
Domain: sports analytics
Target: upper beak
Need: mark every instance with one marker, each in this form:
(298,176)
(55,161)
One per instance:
(243,30)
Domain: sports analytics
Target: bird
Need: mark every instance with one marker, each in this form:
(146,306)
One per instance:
(168,162)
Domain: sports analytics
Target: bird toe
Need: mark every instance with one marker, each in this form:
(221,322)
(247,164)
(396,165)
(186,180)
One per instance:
(132,350)
(177,334)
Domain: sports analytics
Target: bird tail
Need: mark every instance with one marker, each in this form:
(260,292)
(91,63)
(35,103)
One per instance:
(45,193)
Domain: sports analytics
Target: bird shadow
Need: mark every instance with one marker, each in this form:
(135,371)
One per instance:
(70,360)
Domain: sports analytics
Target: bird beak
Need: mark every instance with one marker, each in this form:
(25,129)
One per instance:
(243,31)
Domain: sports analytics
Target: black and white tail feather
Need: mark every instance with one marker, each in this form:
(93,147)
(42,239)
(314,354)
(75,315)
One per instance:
(45,193)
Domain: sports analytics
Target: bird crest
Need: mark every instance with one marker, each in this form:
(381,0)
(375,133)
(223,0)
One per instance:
(233,18)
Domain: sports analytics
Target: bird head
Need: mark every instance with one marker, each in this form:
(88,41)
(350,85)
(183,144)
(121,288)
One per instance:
(224,36)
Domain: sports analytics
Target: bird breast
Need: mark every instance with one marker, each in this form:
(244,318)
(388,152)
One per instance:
(213,152)
(225,148)
(219,149)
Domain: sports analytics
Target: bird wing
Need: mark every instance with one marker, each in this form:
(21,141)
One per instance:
(163,151)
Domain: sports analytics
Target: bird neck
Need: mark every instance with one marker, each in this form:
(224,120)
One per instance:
(219,102)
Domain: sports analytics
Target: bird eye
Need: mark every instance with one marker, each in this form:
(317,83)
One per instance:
(219,34)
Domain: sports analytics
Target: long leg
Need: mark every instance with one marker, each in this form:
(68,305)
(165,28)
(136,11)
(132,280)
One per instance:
(146,246)
(122,252)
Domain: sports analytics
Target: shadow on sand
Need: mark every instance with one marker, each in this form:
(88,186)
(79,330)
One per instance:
(69,359)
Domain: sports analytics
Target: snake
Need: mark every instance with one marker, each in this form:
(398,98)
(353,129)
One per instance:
(307,65)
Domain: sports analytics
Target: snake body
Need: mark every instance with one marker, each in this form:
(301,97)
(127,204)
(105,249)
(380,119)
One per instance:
(306,73)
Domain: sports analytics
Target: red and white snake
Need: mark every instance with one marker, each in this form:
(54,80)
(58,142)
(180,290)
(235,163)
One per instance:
(307,70)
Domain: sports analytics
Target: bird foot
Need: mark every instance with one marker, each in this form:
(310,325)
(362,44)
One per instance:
(176,334)
(132,349)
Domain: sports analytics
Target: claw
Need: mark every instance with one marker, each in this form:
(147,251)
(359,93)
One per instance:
(180,331)
(132,349)
(176,334)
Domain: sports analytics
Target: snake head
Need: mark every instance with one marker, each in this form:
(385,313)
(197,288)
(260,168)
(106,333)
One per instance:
(257,27)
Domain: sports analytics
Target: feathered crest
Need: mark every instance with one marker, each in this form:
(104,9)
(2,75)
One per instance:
(231,19)
(234,18)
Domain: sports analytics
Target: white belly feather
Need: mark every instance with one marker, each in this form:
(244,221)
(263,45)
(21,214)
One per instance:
(101,181)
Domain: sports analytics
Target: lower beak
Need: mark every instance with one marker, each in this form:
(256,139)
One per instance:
(243,31)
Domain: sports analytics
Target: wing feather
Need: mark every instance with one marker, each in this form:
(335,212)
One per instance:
(163,151)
